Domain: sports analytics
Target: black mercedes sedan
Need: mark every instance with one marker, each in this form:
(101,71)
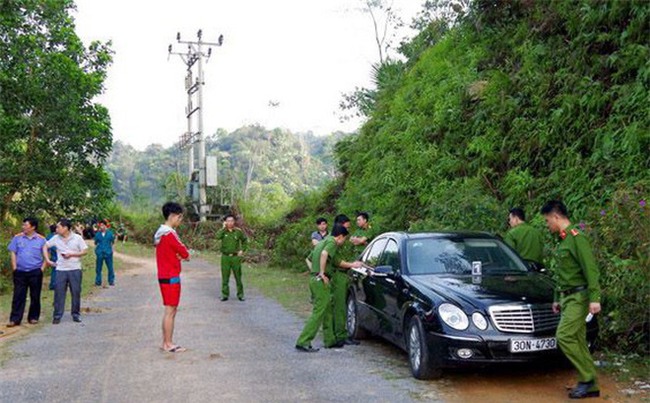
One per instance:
(452,299)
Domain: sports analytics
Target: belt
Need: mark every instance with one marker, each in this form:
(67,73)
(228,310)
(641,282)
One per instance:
(229,254)
(573,290)
(173,280)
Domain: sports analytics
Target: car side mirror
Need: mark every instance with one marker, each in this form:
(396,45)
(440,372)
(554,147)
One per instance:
(385,270)
(535,266)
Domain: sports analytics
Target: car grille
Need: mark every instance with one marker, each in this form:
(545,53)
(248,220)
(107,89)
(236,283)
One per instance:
(523,318)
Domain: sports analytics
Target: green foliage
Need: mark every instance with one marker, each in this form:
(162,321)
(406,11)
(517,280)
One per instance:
(290,240)
(5,263)
(512,103)
(143,179)
(260,168)
(622,244)
(51,131)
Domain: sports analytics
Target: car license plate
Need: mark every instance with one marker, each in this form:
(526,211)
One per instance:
(527,345)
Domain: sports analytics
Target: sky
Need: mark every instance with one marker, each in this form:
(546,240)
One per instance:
(302,54)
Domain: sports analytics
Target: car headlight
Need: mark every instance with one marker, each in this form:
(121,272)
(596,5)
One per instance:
(479,321)
(453,316)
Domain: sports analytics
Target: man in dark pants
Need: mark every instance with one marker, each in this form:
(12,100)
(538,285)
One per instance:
(578,296)
(70,249)
(27,263)
(233,245)
(53,256)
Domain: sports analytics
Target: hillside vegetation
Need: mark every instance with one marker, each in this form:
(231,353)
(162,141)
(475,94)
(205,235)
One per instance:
(264,168)
(518,103)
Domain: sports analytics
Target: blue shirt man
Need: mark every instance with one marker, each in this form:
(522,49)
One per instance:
(28,250)
(104,241)
(27,263)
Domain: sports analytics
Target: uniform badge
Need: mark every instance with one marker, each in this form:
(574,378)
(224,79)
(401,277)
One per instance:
(575,232)
(563,234)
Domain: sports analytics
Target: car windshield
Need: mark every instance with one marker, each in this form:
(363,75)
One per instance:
(461,256)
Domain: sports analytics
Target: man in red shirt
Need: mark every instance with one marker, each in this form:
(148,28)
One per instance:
(169,253)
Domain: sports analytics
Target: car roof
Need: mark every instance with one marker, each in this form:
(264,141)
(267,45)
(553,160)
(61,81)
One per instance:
(439,234)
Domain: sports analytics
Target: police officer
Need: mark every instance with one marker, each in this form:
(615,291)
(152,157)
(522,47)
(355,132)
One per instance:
(317,236)
(325,259)
(233,245)
(579,295)
(363,234)
(524,238)
(340,280)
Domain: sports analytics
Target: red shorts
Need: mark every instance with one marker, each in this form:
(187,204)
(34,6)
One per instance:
(171,294)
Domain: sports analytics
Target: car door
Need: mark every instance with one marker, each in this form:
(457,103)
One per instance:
(389,288)
(370,316)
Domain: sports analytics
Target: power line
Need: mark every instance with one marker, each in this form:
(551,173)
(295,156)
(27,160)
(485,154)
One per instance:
(189,140)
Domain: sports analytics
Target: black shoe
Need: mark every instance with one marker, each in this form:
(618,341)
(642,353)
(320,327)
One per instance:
(338,344)
(12,324)
(76,319)
(224,298)
(351,342)
(584,390)
(308,349)
(241,298)
(112,284)
(56,321)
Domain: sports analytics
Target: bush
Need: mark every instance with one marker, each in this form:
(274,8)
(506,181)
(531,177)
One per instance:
(621,240)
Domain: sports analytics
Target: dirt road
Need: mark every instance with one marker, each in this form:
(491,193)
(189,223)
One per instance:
(238,352)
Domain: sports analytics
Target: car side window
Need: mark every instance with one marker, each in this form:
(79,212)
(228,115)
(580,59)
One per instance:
(390,257)
(371,258)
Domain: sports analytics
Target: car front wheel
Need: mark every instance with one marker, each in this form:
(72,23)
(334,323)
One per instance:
(419,356)
(352,323)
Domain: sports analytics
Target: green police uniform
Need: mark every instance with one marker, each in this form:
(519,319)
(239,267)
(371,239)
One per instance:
(527,241)
(321,296)
(232,241)
(577,286)
(341,283)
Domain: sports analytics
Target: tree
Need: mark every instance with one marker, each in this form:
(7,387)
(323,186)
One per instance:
(385,23)
(53,137)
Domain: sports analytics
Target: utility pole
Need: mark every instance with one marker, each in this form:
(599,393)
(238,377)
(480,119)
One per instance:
(195,53)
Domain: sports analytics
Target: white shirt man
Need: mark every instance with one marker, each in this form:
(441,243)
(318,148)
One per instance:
(70,248)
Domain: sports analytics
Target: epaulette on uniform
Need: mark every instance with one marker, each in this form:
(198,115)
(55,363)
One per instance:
(575,232)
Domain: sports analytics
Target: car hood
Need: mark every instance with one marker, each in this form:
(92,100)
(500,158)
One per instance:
(482,291)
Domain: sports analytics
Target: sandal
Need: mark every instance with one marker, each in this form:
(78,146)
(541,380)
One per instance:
(175,349)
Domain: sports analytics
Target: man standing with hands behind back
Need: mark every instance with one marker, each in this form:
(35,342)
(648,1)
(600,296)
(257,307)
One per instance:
(577,296)
(27,264)
(233,245)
